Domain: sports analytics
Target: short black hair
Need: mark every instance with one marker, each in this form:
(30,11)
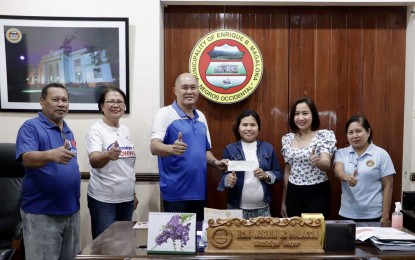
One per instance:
(315,124)
(46,88)
(101,99)
(242,115)
(363,121)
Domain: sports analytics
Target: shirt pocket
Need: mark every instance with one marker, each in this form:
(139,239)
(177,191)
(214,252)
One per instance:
(265,161)
(236,157)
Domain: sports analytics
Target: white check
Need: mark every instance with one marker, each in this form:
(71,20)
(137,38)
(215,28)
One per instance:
(242,166)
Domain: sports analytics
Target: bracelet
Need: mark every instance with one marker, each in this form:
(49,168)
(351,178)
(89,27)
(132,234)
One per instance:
(213,163)
(268,179)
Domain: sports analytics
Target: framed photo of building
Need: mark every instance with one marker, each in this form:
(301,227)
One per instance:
(84,54)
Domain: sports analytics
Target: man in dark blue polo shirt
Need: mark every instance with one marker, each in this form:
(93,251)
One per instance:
(51,186)
(180,138)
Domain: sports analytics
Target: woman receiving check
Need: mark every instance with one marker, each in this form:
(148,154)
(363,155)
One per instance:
(250,190)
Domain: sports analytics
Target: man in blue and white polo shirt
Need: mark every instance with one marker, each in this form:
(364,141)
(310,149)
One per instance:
(180,138)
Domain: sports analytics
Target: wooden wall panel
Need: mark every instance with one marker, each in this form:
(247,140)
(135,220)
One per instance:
(359,75)
(348,59)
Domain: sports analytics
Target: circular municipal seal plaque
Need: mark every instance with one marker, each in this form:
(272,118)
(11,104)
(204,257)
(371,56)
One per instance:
(221,237)
(228,65)
(13,35)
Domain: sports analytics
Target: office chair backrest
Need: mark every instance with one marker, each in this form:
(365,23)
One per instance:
(11,174)
(9,167)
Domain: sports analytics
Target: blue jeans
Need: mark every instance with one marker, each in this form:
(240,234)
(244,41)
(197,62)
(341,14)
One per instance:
(104,214)
(253,213)
(51,237)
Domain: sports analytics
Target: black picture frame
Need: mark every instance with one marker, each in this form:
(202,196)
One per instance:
(84,54)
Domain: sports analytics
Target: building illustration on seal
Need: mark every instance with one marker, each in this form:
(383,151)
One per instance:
(226,69)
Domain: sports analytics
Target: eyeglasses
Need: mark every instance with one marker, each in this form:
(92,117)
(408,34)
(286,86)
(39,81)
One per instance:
(63,135)
(355,162)
(113,102)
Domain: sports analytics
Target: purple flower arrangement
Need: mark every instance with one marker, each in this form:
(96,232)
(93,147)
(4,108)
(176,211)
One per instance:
(177,229)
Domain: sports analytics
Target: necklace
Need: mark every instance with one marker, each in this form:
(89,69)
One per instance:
(115,129)
(112,125)
(304,142)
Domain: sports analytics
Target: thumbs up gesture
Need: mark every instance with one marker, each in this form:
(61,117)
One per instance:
(352,179)
(314,158)
(114,152)
(63,154)
(179,147)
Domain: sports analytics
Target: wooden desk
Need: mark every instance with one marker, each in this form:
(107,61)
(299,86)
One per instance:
(120,241)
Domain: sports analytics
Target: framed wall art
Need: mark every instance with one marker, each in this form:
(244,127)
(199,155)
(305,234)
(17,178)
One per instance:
(84,54)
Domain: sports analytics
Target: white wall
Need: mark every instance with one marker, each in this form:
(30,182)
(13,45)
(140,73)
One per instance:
(146,85)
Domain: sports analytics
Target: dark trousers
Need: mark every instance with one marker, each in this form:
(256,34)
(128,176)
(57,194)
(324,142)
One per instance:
(186,206)
(362,220)
(308,199)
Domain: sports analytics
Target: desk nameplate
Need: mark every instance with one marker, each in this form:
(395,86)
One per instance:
(265,234)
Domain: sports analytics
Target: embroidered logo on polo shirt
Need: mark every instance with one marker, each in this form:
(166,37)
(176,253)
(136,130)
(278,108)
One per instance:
(370,163)
(72,147)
